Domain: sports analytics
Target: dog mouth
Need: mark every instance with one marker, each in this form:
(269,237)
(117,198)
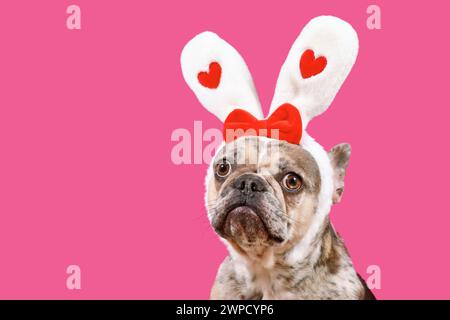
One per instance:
(243,224)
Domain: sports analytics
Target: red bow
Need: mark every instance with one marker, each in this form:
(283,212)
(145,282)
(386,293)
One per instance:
(284,124)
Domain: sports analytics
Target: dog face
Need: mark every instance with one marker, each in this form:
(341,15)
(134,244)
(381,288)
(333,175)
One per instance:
(262,192)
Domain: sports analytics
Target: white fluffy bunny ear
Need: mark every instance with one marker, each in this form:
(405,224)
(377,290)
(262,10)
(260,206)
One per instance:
(317,64)
(219,77)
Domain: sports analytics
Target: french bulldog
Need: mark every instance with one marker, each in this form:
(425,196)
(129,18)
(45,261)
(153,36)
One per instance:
(264,205)
(271,186)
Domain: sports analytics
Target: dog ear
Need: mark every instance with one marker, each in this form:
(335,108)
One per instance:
(339,156)
(317,65)
(219,76)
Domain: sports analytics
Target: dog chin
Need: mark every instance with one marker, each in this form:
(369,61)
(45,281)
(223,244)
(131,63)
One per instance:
(245,227)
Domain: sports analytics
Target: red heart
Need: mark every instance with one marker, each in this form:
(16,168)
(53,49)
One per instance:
(210,79)
(310,65)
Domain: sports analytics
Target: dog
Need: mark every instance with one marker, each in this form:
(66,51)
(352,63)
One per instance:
(271,186)
(266,212)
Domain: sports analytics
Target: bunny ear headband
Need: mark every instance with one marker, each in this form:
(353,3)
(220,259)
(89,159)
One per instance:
(317,64)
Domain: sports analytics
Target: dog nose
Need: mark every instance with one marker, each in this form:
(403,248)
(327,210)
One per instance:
(250,183)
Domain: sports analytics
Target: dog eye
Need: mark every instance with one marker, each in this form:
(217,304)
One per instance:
(292,182)
(223,169)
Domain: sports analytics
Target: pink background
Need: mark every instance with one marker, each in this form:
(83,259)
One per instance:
(85,122)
